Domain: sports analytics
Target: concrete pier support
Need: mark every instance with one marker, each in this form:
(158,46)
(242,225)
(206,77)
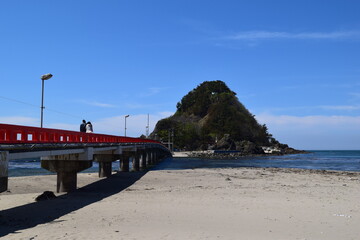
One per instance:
(149,159)
(66,181)
(67,166)
(105,169)
(124,163)
(66,172)
(142,160)
(4,164)
(136,162)
(105,164)
(155,156)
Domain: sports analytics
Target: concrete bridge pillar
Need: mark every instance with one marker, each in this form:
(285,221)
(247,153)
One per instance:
(156,156)
(105,164)
(4,163)
(124,162)
(66,167)
(142,160)
(149,160)
(66,172)
(105,169)
(136,162)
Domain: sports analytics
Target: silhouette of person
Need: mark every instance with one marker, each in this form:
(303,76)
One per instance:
(89,127)
(83,126)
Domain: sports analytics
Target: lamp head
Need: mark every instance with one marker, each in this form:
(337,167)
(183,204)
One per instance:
(46,76)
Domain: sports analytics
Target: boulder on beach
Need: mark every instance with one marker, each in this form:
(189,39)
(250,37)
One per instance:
(47,195)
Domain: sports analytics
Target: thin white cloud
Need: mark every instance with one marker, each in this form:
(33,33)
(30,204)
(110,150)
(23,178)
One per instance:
(341,107)
(152,91)
(338,108)
(134,105)
(263,35)
(314,132)
(135,124)
(137,105)
(312,85)
(65,126)
(97,104)
(341,121)
(103,105)
(20,120)
(355,95)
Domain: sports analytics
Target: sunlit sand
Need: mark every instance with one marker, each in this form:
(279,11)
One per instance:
(240,203)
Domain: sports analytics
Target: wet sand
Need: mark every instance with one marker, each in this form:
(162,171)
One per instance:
(243,203)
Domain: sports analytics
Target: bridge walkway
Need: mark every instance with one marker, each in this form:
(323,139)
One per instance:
(68,152)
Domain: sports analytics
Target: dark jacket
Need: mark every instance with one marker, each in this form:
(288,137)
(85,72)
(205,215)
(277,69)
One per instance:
(83,127)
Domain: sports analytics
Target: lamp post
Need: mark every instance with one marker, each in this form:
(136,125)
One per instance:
(43,78)
(126,116)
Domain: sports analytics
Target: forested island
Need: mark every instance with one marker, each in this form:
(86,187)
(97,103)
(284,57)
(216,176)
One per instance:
(210,117)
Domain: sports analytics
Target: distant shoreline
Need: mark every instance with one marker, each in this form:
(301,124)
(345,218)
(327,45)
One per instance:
(211,154)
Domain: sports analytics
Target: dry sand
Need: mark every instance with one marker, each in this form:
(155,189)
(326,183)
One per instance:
(240,203)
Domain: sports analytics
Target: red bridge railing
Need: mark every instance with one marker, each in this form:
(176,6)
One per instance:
(15,134)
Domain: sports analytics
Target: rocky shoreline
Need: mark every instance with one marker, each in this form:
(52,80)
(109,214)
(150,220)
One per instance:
(216,154)
(228,148)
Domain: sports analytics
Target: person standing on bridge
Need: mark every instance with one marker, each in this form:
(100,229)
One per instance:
(89,128)
(83,126)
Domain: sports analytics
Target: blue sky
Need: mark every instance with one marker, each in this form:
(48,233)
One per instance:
(293,64)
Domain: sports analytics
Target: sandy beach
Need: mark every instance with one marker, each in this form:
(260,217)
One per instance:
(244,203)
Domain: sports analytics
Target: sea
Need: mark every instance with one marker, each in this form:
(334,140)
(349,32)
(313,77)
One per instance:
(320,160)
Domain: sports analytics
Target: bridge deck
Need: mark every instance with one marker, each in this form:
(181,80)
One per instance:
(68,152)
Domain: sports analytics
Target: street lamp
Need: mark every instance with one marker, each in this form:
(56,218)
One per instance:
(125,123)
(43,78)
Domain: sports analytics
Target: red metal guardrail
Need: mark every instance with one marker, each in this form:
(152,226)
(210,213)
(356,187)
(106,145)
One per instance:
(16,134)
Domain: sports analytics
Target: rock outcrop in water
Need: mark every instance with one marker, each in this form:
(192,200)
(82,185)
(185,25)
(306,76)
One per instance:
(211,117)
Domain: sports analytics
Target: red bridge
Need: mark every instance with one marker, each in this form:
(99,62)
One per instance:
(69,152)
